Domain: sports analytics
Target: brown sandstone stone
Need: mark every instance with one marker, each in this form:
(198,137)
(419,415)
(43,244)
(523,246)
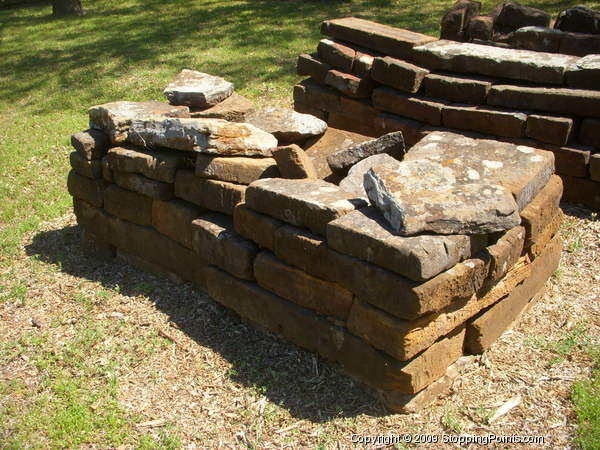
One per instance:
(214,195)
(552,130)
(310,65)
(257,227)
(590,133)
(174,219)
(293,162)
(413,107)
(539,213)
(349,84)
(456,19)
(505,253)
(143,185)
(550,230)
(581,190)
(86,189)
(159,165)
(235,169)
(398,74)
(481,28)
(571,161)
(484,120)
(457,88)
(305,108)
(85,167)
(595,167)
(336,54)
(412,131)
(91,144)
(234,108)
(585,73)
(349,123)
(311,93)
(128,205)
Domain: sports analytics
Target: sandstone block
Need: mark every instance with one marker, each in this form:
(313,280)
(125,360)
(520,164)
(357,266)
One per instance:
(174,219)
(546,235)
(193,88)
(212,136)
(590,133)
(512,16)
(363,63)
(579,19)
(481,28)
(159,165)
(86,188)
(581,190)
(539,213)
(505,253)
(485,120)
(552,130)
(348,122)
(361,111)
(309,109)
(414,107)
(595,167)
(577,102)
(353,182)
(234,108)
(398,74)
(365,234)
(298,287)
(286,125)
(293,162)
(382,38)
(336,54)
(311,93)
(85,167)
(571,161)
(547,68)
(579,44)
(349,84)
(128,205)
(307,203)
(456,19)
(585,73)
(539,39)
(457,88)
(235,169)
(412,130)
(115,118)
(489,326)
(142,185)
(257,227)
(215,195)
(311,66)
(91,144)
(391,143)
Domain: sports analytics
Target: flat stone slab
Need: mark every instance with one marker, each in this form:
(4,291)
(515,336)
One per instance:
(159,165)
(115,118)
(286,125)
(493,61)
(213,136)
(366,235)
(234,108)
(354,181)
(235,169)
(192,88)
(522,170)
(305,203)
(585,73)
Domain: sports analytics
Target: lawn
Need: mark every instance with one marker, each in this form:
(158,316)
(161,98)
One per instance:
(62,383)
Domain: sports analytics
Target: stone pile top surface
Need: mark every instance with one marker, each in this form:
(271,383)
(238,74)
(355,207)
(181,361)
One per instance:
(201,90)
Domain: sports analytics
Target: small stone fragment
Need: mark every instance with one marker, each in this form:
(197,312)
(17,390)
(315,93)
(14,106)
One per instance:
(293,162)
(197,89)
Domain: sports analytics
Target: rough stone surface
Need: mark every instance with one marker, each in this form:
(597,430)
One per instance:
(524,171)
(481,28)
(310,65)
(235,169)
(485,120)
(539,39)
(539,213)
(513,16)
(546,234)
(375,36)
(354,183)
(457,88)
(294,285)
(412,130)
(365,234)
(85,167)
(579,102)
(293,162)
(336,54)
(571,161)
(414,107)
(115,118)
(307,203)
(589,133)
(505,253)
(287,125)
(91,144)
(215,195)
(493,61)
(174,219)
(201,90)
(398,74)
(257,227)
(312,93)
(579,44)
(143,185)
(579,19)
(213,136)
(582,191)
(128,205)
(348,84)
(585,73)
(86,188)
(391,143)
(456,20)
(363,64)
(309,109)
(213,237)
(549,129)
(595,167)
(348,122)
(156,164)
(234,108)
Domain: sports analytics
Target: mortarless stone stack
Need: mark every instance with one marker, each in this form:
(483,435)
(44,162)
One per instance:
(413,261)
(374,79)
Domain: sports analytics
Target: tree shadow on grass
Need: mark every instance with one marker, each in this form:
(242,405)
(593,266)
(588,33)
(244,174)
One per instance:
(288,376)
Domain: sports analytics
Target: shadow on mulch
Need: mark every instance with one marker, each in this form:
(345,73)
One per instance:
(288,376)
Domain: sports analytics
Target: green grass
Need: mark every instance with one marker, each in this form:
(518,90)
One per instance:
(51,71)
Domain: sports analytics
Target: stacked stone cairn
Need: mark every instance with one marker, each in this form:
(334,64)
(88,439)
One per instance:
(374,79)
(414,260)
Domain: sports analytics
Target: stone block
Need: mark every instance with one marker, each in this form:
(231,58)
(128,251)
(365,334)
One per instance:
(159,165)
(538,214)
(349,84)
(311,66)
(349,123)
(481,28)
(505,253)
(91,144)
(174,219)
(361,111)
(551,229)
(456,19)
(234,108)
(366,235)
(363,63)
(585,73)
(595,167)
(549,129)
(235,169)
(287,125)
(512,16)
(398,74)
(412,130)
(255,226)
(128,205)
(581,190)
(336,54)
(201,90)
(457,88)
(589,134)
(375,36)
(572,161)
(85,167)
(577,102)
(86,189)
(215,195)
(297,286)
(354,181)
(579,44)
(538,39)
(579,19)
(307,203)
(485,120)
(483,331)
(414,107)
(143,185)
(311,93)
(293,162)
(526,65)
(213,237)
(309,109)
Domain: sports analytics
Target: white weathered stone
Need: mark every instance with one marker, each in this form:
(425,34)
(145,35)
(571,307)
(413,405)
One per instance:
(286,125)
(197,89)
(354,181)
